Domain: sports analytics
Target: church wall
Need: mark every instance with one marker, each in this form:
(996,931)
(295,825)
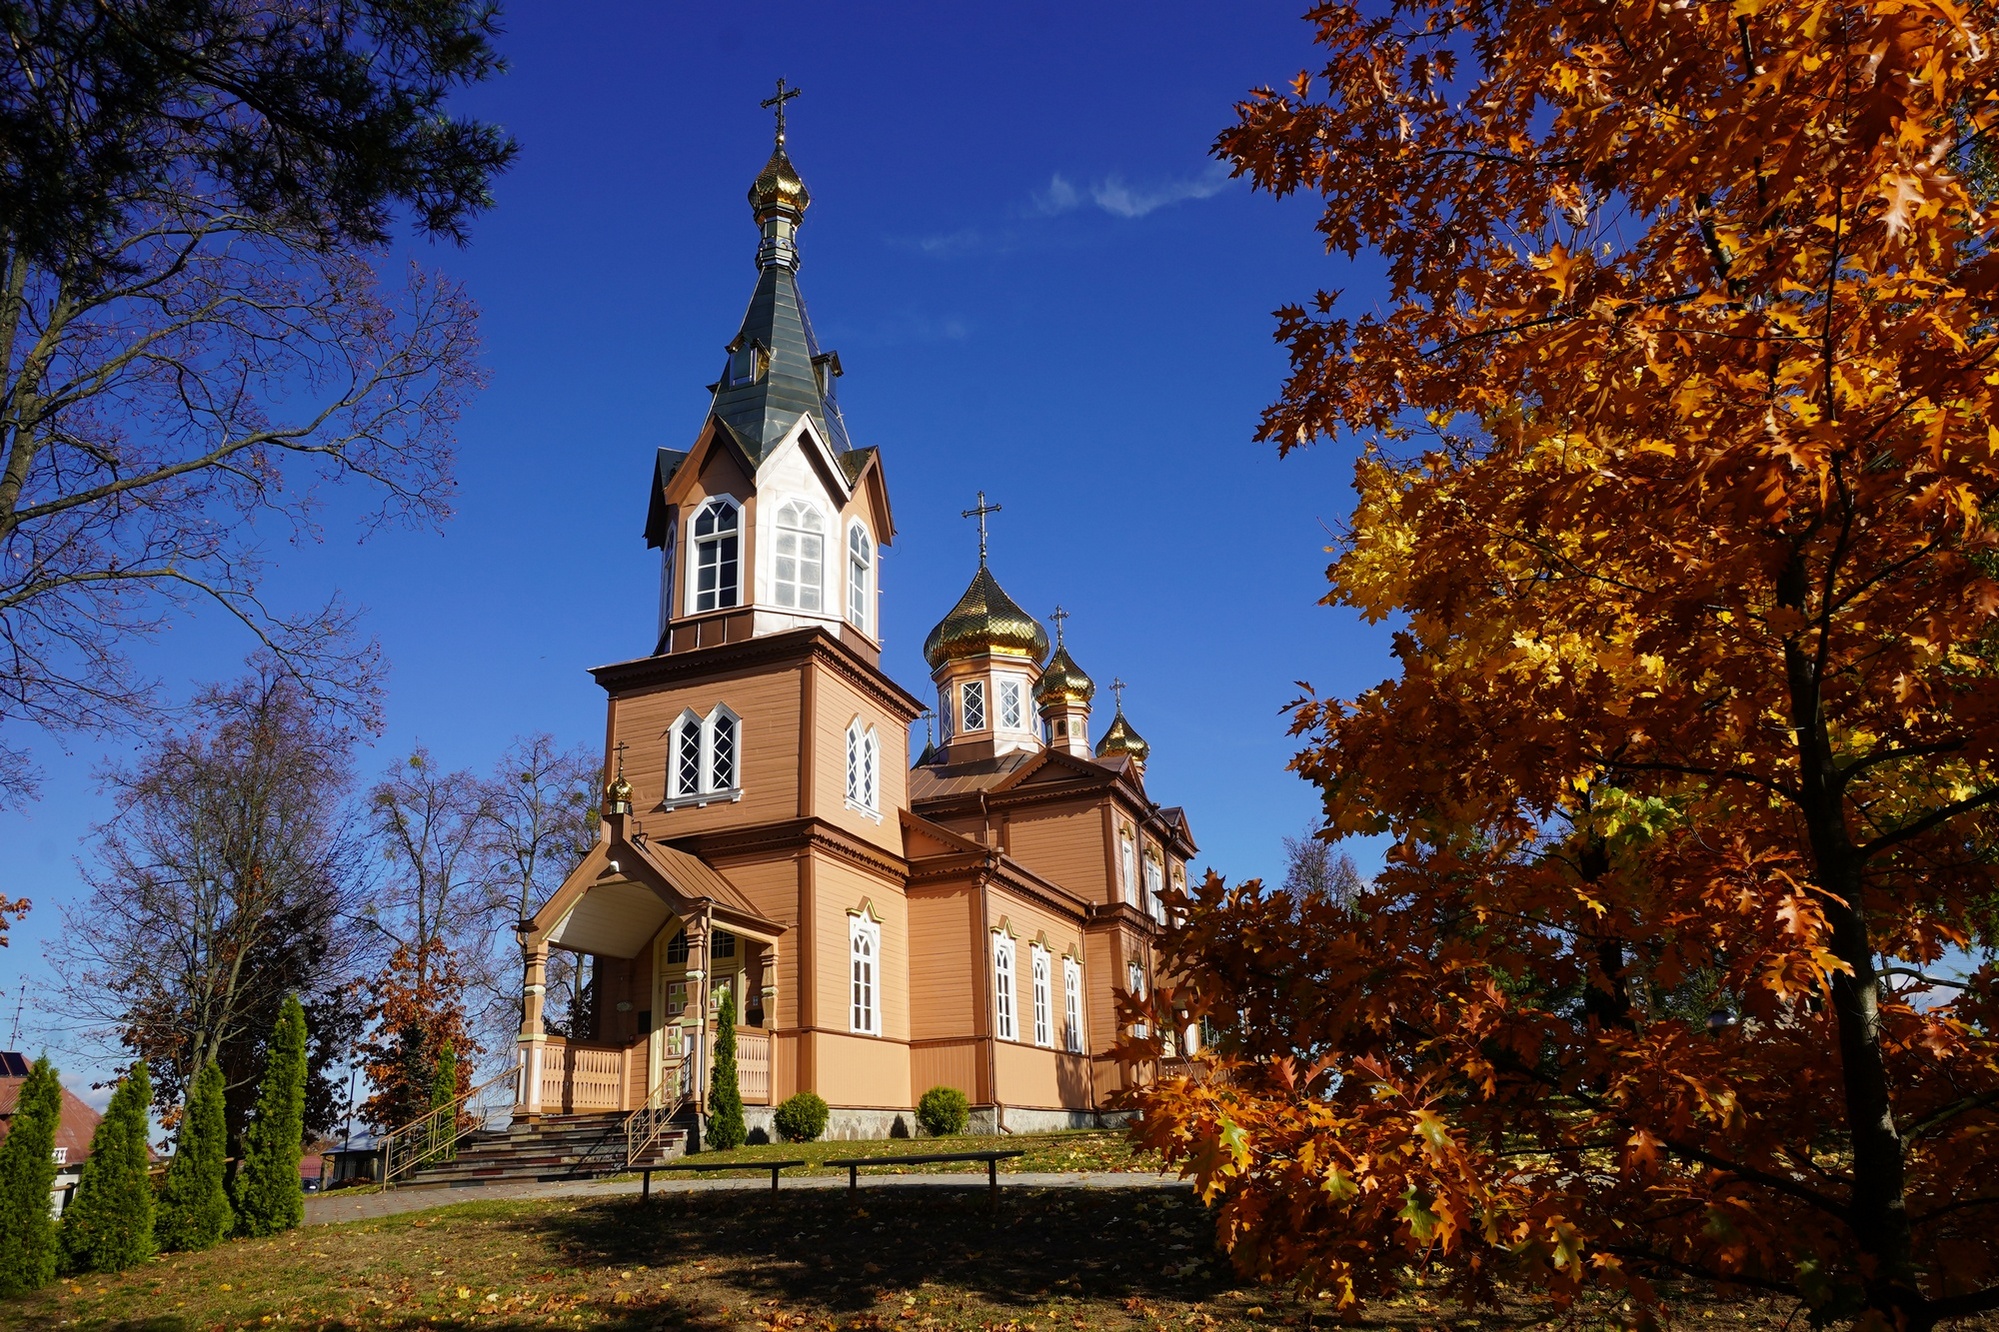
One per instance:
(1105,955)
(837,702)
(1042,1079)
(959,1063)
(842,887)
(768,704)
(945,960)
(771,883)
(1063,844)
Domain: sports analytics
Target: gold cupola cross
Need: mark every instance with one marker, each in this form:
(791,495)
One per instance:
(980,513)
(783,95)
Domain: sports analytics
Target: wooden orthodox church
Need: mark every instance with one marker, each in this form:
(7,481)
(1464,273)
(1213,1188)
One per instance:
(884,928)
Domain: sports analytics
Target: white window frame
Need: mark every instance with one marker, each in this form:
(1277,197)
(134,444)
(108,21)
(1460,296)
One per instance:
(863,771)
(1072,1005)
(971,692)
(946,712)
(799,518)
(1135,976)
(1155,885)
(62,1156)
(706,788)
(1006,1021)
(717,505)
(860,576)
(864,990)
(1044,1001)
(1127,865)
(1012,696)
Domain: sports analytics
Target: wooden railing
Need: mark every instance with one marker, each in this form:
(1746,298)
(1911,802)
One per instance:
(435,1136)
(753,1066)
(577,1079)
(646,1125)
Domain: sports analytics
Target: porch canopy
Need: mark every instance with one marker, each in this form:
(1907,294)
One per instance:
(625,891)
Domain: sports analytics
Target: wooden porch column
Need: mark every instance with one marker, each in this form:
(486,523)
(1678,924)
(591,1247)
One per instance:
(533,1040)
(767,985)
(697,999)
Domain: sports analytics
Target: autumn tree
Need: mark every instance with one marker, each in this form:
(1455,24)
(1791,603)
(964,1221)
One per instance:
(417,1012)
(1680,482)
(226,879)
(1313,866)
(198,330)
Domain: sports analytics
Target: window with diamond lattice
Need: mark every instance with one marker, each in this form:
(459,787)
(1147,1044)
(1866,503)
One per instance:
(1010,706)
(863,766)
(687,757)
(722,753)
(800,556)
(972,704)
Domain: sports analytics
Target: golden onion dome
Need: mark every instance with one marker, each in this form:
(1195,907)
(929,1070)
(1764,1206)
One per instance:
(1122,739)
(618,796)
(1063,681)
(779,185)
(985,620)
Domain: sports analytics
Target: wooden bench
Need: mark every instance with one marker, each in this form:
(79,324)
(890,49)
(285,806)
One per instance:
(704,1167)
(855,1164)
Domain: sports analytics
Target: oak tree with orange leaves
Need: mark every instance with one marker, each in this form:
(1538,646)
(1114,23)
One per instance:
(1681,484)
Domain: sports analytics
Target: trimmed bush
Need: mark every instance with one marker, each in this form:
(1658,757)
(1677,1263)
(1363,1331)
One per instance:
(943,1111)
(108,1226)
(443,1091)
(27,1179)
(802,1118)
(194,1204)
(269,1197)
(725,1097)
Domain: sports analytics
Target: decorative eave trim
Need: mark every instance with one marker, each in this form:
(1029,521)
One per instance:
(794,646)
(792,835)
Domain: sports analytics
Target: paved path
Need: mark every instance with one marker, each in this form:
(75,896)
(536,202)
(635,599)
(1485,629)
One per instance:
(335,1207)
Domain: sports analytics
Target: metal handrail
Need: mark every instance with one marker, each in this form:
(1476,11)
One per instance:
(645,1126)
(438,1132)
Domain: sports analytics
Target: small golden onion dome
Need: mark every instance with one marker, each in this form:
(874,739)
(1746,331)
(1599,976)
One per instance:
(1063,681)
(618,796)
(985,620)
(778,185)
(1122,739)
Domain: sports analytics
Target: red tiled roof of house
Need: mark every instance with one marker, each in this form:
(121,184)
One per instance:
(73,1130)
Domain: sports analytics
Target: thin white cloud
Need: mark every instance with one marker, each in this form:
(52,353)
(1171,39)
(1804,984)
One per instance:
(1115,196)
(1059,197)
(1111,194)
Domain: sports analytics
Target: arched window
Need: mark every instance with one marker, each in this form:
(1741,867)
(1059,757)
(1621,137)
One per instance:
(1004,1025)
(1072,1005)
(716,565)
(801,556)
(1135,974)
(863,766)
(864,942)
(724,747)
(1044,1003)
(1127,867)
(687,756)
(1154,886)
(860,575)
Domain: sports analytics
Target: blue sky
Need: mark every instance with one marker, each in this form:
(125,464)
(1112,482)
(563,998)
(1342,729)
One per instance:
(1040,285)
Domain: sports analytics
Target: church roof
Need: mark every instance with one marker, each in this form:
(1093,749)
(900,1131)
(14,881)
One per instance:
(985,619)
(797,377)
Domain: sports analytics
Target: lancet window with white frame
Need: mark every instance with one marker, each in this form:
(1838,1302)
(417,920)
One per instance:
(1135,975)
(860,577)
(863,768)
(715,573)
(1005,1024)
(972,705)
(864,943)
(1155,886)
(798,574)
(1044,999)
(1127,866)
(1072,1005)
(1012,703)
(704,758)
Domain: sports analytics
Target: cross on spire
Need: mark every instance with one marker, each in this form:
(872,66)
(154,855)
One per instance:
(1059,616)
(1118,687)
(783,95)
(980,513)
(620,748)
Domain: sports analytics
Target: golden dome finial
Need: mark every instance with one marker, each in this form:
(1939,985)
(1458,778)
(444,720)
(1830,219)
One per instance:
(618,791)
(1062,680)
(1123,738)
(778,186)
(985,621)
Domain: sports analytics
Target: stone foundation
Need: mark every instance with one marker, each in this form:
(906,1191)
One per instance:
(873,1125)
(1016,1119)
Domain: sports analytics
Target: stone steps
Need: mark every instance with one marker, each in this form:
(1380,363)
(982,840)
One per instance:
(561,1147)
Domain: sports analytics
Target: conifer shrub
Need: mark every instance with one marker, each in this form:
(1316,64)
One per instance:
(725,1097)
(943,1111)
(27,1178)
(443,1091)
(802,1118)
(269,1197)
(194,1203)
(108,1225)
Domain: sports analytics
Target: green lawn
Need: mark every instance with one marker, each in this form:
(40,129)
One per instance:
(1082,1149)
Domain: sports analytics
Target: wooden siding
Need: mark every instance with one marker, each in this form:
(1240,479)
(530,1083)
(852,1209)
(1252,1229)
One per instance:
(1041,1079)
(753,1065)
(946,963)
(859,1072)
(768,705)
(837,702)
(958,1063)
(1063,844)
(841,887)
